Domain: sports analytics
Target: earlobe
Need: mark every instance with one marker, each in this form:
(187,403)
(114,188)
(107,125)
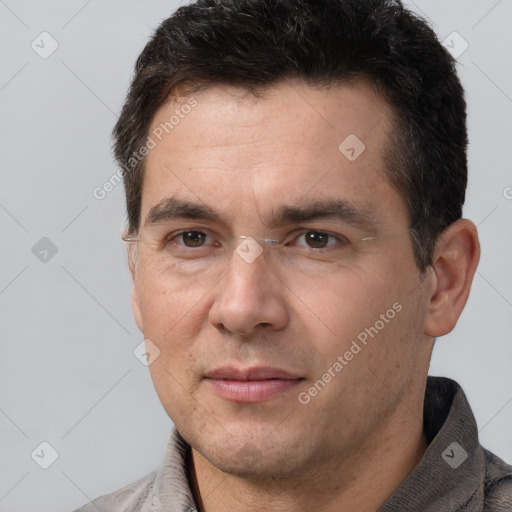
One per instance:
(455,260)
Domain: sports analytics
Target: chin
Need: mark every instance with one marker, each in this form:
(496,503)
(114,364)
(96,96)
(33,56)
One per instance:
(253,457)
(252,464)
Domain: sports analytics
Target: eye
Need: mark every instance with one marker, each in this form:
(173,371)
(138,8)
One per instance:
(189,238)
(193,238)
(319,239)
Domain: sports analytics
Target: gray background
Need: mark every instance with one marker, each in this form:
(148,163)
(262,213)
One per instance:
(68,375)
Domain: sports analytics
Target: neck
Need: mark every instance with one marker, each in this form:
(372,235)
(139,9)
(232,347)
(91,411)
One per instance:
(362,481)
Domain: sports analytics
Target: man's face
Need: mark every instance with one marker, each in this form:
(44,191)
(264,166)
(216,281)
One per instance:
(315,349)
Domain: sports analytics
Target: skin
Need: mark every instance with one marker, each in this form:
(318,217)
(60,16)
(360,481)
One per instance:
(353,444)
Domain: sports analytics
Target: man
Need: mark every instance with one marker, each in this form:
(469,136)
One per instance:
(295,172)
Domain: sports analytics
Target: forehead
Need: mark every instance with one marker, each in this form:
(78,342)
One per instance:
(235,152)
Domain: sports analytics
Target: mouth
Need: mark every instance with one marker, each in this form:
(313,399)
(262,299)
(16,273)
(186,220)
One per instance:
(252,384)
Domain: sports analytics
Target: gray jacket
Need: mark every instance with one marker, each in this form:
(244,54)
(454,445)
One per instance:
(455,475)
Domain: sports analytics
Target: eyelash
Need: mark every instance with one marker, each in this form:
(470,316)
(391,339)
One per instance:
(340,238)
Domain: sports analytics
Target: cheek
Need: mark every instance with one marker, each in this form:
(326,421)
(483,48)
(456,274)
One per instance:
(374,317)
(377,351)
(164,299)
(173,389)
(353,301)
(172,318)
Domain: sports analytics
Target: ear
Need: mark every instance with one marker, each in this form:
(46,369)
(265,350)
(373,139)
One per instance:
(455,260)
(132,265)
(136,308)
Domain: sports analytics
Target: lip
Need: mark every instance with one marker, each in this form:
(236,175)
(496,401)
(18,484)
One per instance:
(250,385)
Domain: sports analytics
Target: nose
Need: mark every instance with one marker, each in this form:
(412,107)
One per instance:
(249,297)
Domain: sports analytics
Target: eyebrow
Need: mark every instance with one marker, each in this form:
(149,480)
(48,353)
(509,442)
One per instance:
(174,208)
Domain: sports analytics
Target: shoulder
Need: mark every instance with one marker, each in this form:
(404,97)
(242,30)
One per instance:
(131,498)
(498,484)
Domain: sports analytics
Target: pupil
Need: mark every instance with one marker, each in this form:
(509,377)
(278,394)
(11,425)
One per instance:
(194,237)
(316,239)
